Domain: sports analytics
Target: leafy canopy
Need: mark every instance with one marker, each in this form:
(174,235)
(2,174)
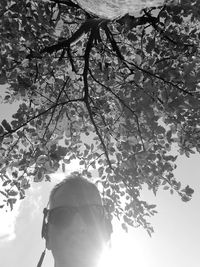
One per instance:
(121,96)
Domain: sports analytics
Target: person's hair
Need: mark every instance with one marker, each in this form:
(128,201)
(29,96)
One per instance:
(75,178)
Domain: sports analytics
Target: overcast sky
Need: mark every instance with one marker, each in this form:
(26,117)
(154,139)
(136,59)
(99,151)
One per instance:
(175,243)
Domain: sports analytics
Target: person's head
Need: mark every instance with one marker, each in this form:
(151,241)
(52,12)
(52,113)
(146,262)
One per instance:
(77,226)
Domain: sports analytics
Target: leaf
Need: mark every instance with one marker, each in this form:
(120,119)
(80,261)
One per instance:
(1,130)
(12,193)
(11,201)
(92,147)
(178,185)
(150,46)
(138,59)
(133,37)
(154,190)
(6,125)
(14,8)
(15,174)
(185,198)
(149,232)
(93,164)
(39,175)
(166,187)
(169,136)
(42,159)
(47,178)
(61,151)
(112,150)
(108,170)
(138,76)
(24,83)
(25,63)
(188,190)
(6,183)
(89,175)
(63,167)
(151,206)
(101,171)
(3,78)
(124,227)
(4,194)
(178,19)
(87,146)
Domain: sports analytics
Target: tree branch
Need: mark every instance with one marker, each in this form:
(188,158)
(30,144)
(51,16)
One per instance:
(84,28)
(53,111)
(98,133)
(159,78)
(161,31)
(109,90)
(113,42)
(124,104)
(86,90)
(116,49)
(71,59)
(89,24)
(40,114)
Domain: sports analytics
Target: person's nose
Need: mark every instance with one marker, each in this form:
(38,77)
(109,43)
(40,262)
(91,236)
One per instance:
(79,223)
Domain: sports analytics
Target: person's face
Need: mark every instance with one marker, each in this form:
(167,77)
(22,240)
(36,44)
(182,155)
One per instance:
(75,237)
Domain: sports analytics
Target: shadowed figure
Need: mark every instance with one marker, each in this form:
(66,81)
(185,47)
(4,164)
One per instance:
(75,225)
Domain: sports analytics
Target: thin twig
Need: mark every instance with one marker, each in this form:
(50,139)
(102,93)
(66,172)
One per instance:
(40,114)
(53,111)
(124,104)
(120,56)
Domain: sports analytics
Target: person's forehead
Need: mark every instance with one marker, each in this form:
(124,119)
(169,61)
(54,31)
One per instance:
(75,195)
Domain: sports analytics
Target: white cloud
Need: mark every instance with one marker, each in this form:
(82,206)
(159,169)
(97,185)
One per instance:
(7,223)
(36,197)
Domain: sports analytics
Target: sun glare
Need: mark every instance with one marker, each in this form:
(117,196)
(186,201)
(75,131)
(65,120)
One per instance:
(125,250)
(116,255)
(134,248)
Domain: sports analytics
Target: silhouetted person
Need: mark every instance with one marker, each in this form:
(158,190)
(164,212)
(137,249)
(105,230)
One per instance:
(75,224)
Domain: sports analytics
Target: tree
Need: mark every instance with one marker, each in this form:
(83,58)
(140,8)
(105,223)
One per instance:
(120,95)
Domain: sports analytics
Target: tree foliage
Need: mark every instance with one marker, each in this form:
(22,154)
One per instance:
(121,96)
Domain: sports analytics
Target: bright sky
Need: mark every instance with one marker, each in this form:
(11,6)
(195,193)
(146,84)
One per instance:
(175,243)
